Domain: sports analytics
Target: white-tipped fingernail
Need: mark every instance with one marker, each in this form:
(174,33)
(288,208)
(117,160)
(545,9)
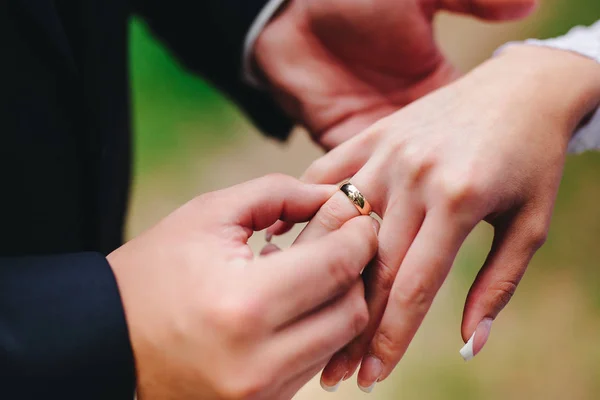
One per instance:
(328,388)
(477,340)
(371,369)
(368,389)
(467,350)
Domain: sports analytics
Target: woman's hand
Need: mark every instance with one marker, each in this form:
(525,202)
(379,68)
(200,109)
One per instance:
(491,147)
(207,321)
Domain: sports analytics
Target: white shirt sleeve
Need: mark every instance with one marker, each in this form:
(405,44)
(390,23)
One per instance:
(584,41)
(262,19)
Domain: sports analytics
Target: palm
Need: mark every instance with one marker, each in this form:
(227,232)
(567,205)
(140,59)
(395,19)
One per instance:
(340,65)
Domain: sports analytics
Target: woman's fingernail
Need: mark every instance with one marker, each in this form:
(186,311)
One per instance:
(268,236)
(370,372)
(477,340)
(328,388)
(367,389)
(334,372)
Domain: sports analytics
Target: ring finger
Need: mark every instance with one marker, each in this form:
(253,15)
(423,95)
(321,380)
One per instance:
(401,222)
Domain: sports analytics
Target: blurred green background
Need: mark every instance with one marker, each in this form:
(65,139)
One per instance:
(545,345)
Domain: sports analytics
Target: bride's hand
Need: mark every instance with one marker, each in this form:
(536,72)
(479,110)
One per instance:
(208,321)
(490,146)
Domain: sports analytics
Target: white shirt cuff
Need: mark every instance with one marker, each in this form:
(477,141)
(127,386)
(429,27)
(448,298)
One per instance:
(584,41)
(262,19)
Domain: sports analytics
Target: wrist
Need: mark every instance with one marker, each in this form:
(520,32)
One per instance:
(252,73)
(560,86)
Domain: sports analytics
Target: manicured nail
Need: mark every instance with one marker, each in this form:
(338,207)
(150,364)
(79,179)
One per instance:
(370,372)
(268,236)
(477,340)
(328,388)
(334,372)
(368,389)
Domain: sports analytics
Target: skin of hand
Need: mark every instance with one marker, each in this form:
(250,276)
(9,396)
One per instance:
(338,66)
(490,146)
(208,321)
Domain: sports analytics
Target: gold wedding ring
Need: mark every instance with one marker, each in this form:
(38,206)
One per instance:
(356,197)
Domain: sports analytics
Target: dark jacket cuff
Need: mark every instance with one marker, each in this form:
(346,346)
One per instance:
(208,38)
(63,332)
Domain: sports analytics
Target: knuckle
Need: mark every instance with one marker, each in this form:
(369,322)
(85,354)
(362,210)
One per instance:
(416,165)
(342,270)
(331,215)
(371,135)
(385,344)
(246,385)
(413,295)
(537,235)
(360,317)
(278,179)
(315,170)
(384,276)
(459,192)
(396,146)
(377,129)
(238,316)
(217,201)
(500,293)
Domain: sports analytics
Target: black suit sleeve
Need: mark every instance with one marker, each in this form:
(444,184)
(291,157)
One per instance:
(208,37)
(63,332)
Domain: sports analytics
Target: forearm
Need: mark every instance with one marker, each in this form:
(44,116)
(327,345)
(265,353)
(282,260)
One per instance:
(62,325)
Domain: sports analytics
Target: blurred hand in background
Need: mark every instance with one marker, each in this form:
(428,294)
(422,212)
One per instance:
(338,66)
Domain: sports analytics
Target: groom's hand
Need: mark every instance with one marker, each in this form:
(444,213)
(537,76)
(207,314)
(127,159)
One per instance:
(209,321)
(338,66)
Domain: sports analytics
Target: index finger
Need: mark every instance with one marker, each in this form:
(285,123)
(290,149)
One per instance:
(258,203)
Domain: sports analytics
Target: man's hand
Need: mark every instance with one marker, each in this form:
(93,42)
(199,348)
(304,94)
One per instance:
(338,66)
(208,321)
